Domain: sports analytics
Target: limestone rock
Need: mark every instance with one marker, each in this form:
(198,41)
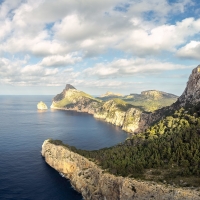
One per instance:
(42,106)
(94,184)
(130,119)
(191,94)
(60,96)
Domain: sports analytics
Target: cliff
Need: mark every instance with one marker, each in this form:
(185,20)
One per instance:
(191,94)
(94,184)
(114,111)
(120,112)
(73,99)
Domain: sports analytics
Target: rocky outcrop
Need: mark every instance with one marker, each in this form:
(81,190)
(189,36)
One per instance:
(60,96)
(111,113)
(191,94)
(42,106)
(114,111)
(95,184)
(73,99)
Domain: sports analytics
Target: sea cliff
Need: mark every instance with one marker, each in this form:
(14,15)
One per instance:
(94,184)
(114,111)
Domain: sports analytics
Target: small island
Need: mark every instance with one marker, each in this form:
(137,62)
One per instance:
(42,106)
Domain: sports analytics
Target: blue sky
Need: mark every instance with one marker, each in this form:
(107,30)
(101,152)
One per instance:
(97,46)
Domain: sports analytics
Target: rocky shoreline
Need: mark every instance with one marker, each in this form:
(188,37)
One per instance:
(96,184)
(132,121)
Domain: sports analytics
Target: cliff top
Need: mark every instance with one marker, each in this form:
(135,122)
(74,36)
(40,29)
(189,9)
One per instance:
(157,94)
(69,86)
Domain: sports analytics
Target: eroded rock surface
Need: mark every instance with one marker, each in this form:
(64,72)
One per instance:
(94,184)
(191,94)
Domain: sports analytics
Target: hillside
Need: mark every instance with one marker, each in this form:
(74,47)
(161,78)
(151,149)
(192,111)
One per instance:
(167,150)
(72,99)
(149,100)
(131,114)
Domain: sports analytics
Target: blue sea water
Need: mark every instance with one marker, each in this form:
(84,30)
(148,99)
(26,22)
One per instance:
(24,175)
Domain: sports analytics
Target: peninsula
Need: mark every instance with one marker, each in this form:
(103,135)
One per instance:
(161,161)
(123,112)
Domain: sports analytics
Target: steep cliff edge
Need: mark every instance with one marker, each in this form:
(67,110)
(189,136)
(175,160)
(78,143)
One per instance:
(191,94)
(123,114)
(72,99)
(114,111)
(94,184)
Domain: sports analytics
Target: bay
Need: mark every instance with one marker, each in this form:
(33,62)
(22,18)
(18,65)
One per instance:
(23,172)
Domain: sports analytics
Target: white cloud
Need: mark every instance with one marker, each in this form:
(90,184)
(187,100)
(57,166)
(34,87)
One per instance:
(91,27)
(50,31)
(160,38)
(125,67)
(73,28)
(17,72)
(160,8)
(190,50)
(58,60)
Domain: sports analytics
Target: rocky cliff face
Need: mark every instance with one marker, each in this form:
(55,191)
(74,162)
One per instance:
(129,119)
(60,96)
(191,93)
(94,184)
(73,99)
(114,111)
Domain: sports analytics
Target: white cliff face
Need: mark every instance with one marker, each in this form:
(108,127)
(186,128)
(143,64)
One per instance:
(191,93)
(131,120)
(42,106)
(94,184)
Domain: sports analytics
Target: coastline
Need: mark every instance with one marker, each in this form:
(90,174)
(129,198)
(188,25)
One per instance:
(94,183)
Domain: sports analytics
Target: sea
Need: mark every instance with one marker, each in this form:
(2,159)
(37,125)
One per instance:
(24,174)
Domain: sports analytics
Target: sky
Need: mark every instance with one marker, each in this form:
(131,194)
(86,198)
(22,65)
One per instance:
(123,46)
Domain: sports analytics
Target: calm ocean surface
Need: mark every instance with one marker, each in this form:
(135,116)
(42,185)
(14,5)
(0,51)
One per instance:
(23,172)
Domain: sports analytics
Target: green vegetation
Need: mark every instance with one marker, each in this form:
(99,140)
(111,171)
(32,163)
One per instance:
(122,105)
(150,105)
(145,102)
(72,98)
(169,151)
